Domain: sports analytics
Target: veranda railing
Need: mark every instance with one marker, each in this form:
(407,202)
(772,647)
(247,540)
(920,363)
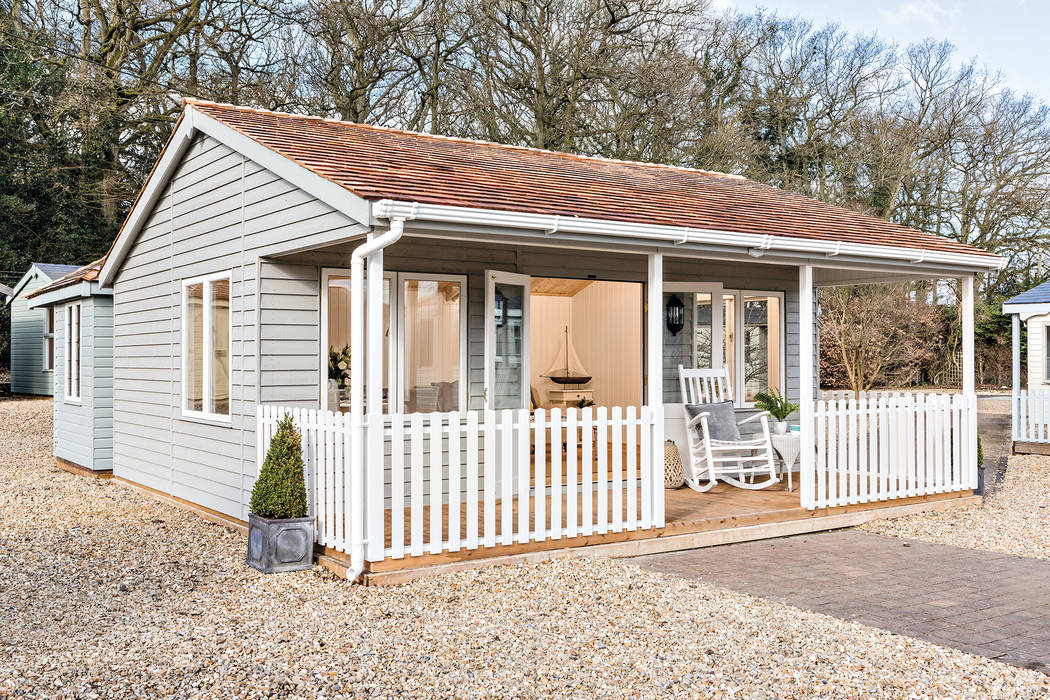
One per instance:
(1030,412)
(890,445)
(443,482)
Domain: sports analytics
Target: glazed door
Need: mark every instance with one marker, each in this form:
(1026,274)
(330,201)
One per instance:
(507,376)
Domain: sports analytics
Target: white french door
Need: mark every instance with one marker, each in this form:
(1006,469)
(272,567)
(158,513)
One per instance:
(507,375)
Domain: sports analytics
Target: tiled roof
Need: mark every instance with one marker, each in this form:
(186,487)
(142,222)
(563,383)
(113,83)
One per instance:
(379,163)
(53,272)
(88,273)
(1035,295)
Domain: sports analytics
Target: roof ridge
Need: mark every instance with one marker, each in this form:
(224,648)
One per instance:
(463,139)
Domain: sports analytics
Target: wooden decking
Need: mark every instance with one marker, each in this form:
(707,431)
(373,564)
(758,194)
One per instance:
(693,519)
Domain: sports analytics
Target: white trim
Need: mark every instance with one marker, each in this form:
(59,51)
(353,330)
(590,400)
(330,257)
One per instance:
(151,192)
(73,361)
(49,312)
(464,351)
(738,347)
(207,348)
(396,354)
(678,235)
(525,281)
(80,290)
(326,274)
(193,121)
(1037,308)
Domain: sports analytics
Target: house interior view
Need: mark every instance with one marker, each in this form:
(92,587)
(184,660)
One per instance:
(577,342)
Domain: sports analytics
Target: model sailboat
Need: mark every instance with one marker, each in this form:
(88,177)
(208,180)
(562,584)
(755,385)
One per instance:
(567,368)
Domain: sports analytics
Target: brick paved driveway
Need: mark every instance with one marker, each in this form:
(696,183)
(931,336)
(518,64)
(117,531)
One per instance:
(994,605)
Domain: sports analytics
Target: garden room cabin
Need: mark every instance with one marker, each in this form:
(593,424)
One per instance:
(1031,400)
(33,333)
(83,362)
(413,301)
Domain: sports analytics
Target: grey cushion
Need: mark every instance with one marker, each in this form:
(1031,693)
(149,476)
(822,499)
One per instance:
(721,419)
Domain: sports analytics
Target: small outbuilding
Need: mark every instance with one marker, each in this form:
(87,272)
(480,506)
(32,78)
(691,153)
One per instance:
(83,368)
(33,332)
(1031,400)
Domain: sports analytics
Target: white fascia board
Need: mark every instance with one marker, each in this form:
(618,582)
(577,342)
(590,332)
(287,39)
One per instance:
(80,290)
(335,196)
(1033,308)
(151,192)
(193,121)
(754,244)
(26,279)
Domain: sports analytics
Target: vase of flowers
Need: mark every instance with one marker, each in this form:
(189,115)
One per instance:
(339,367)
(776,405)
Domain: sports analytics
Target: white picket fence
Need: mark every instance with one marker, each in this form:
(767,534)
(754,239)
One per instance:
(443,482)
(1031,416)
(886,446)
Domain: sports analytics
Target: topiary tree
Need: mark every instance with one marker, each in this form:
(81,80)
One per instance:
(280,491)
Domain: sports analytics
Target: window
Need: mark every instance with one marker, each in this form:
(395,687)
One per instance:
(1046,358)
(432,343)
(754,340)
(424,353)
(49,338)
(72,332)
(206,347)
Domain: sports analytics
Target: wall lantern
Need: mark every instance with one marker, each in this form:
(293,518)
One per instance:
(674,315)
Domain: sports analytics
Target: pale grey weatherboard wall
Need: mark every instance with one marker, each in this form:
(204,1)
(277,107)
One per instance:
(28,375)
(214,214)
(84,426)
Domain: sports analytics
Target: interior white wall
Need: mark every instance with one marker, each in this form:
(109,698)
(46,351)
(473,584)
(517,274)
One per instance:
(600,314)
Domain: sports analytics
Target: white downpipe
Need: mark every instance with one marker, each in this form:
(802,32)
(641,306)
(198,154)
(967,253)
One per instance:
(357,393)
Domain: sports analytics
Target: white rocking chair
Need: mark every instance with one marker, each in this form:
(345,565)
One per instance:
(730,461)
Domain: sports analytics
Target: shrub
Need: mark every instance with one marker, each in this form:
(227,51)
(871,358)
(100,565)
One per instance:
(980,453)
(280,491)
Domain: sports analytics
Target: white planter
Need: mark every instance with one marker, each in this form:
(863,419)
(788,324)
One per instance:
(333,395)
(780,427)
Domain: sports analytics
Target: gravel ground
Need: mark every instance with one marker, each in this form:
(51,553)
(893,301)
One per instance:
(108,593)
(1014,520)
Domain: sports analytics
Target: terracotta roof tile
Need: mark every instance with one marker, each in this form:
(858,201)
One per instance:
(379,163)
(88,273)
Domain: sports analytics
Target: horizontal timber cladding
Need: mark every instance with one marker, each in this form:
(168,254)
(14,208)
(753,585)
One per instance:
(84,426)
(221,212)
(218,210)
(28,375)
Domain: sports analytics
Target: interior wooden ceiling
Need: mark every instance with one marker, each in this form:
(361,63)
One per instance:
(549,287)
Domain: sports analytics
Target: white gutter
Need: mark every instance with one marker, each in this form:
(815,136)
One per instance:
(357,394)
(753,244)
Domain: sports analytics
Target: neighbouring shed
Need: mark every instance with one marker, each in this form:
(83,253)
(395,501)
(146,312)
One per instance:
(83,362)
(32,332)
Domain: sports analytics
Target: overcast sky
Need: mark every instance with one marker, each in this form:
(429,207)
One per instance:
(1012,36)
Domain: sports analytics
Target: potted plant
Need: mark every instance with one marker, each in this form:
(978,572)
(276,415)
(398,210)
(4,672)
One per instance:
(280,535)
(777,406)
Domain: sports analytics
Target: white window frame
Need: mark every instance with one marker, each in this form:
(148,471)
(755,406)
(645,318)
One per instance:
(73,360)
(738,347)
(396,353)
(208,391)
(49,336)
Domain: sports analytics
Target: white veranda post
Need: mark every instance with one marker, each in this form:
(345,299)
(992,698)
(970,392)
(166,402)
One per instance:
(807,381)
(968,378)
(1015,385)
(654,379)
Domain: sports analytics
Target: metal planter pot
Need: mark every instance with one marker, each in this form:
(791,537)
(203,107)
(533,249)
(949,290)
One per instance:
(286,544)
